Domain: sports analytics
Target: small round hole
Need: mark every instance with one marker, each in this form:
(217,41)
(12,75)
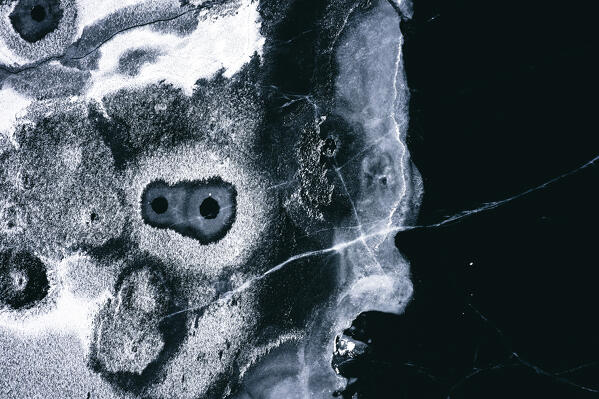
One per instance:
(159,205)
(209,208)
(38,13)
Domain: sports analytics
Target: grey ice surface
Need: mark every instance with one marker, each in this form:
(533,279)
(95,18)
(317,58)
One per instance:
(140,92)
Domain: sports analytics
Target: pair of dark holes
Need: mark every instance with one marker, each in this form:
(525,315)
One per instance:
(209,208)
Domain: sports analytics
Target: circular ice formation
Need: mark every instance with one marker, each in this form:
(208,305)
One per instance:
(23,280)
(34,19)
(187,174)
(60,184)
(34,30)
(130,339)
(192,209)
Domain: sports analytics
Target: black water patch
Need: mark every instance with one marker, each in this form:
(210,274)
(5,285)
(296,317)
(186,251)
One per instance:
(23,280)
(159,205)
(34,19)
(204,210)
(518,279)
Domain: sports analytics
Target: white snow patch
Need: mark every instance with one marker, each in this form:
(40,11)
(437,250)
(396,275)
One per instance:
(12,106)
(219,42)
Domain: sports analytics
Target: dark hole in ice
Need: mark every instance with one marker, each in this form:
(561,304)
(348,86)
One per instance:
(329,145)
(159,205)
(23,280)
(93,217)
(34,19)
(205,209)
(209,208)
(38,13)
(329,148)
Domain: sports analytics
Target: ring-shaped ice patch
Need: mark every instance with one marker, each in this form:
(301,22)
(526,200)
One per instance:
(15,49)
(254,209)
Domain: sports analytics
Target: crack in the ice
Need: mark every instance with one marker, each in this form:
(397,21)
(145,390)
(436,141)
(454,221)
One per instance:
(294,38)
(496,204)
(362,151)
(350,227)
(357,217)
(421,370)
(402,158)
(128,28)
(577,368)
(514,357)
(563,380)
(338,248)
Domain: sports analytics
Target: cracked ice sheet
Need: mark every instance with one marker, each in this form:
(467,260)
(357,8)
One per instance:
(383,188)
(381,182)
(514,359)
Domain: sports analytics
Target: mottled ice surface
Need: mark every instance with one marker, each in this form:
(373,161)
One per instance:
(208,191)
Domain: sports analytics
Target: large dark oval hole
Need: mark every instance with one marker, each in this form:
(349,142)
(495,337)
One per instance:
(38,13)
(159,205)
(209,208)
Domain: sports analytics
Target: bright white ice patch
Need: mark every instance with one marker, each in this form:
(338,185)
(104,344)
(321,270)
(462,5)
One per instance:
(13,105)
(69,315)
(219,42)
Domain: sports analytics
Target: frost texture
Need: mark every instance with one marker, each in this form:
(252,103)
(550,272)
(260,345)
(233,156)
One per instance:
(120,110)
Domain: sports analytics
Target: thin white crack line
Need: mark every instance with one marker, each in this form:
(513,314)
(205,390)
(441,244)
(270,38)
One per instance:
(361,239)
(517,358)
(46,60)
(398,136)
(358,221)
(495,204)
(334,249)
(577,368)
(363,151)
